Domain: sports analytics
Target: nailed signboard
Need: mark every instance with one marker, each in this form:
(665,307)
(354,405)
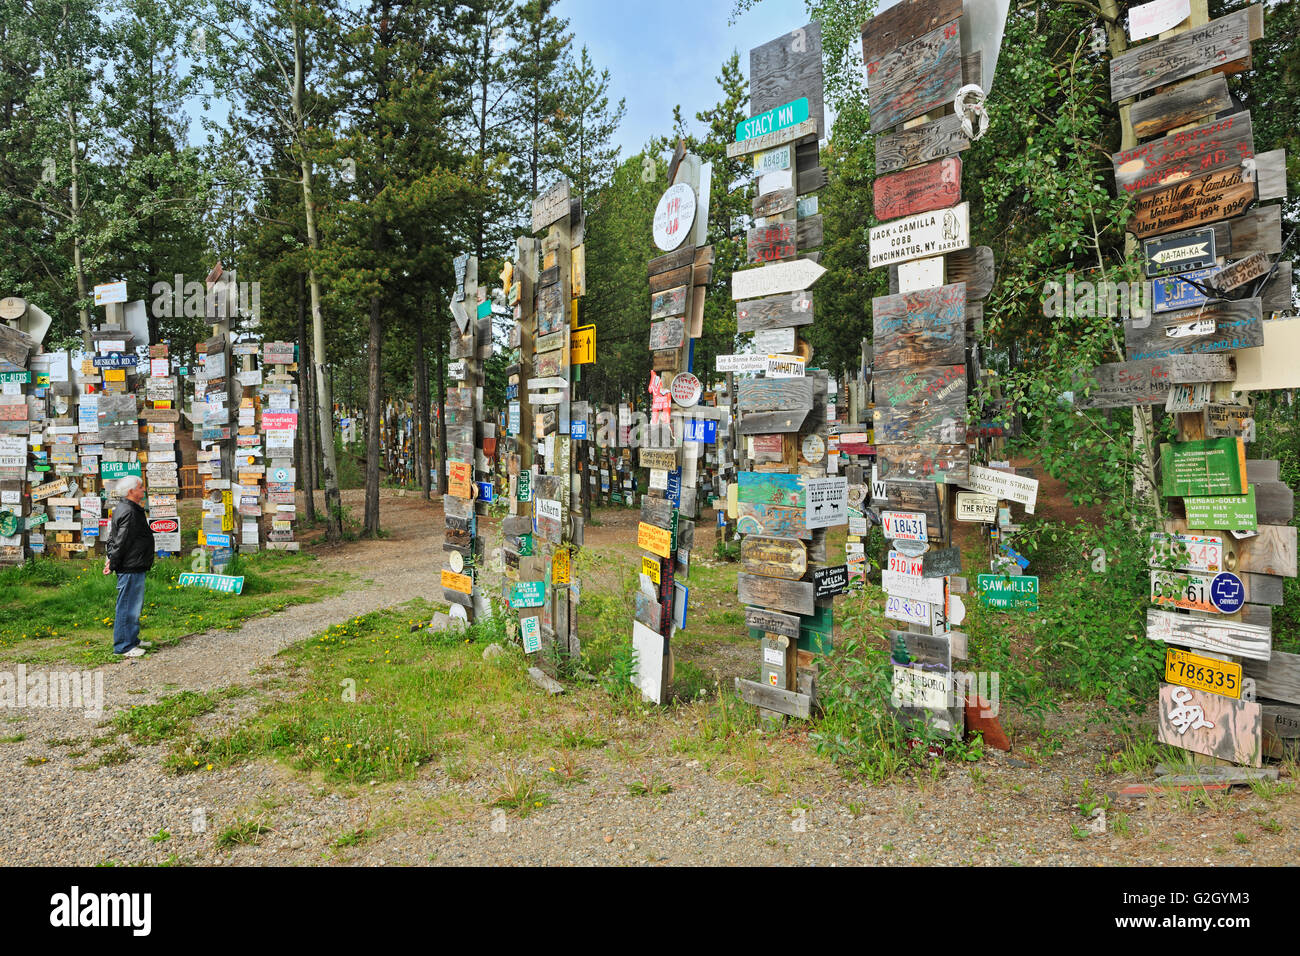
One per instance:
(551,206)
(1003,485)
(976,507)
(827,501)
(923,328)
(655,540)
(919,144)
(828,582)
(771,242)
(794,597)
(1203,673)
(1193,202)
(1220,636)
(1215,44)
(1211,724)
(924,188)
(1150,19)
(1214,466)
(1186,251)
(674,216)
(946,464)
(668,334)
(771,503)
(775,278)
(778,312)
(1147,381)
(904,526)
(1002,593)
(925,234)
(774,557)
(1222,512)
(787,68)
(1218,144)
(772,622)
(915,77)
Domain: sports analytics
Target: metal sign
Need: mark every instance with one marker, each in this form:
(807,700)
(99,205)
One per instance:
(674,215)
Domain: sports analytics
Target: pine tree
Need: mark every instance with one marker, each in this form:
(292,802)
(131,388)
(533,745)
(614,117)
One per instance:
(586,124)
(540,43)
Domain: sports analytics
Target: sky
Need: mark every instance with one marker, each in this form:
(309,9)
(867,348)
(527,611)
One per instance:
(670,51)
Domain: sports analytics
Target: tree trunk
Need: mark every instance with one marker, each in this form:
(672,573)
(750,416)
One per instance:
(440,386)
(422,448)
(374,419)
(306,450)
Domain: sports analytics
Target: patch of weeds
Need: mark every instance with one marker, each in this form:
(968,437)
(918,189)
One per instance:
(172,716)
(1271,826)
(1078,832)
(354,838)
(649,785)
(112,758)
(33,761)
(580,738)
(1240,839)
(161,836)
(1119,824)
(1138,756)
(242,833)
(520,793)
(566,772)
(65,741)
(690,682)
(14,739)
(103,741)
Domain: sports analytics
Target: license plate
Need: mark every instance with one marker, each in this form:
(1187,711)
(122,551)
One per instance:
(1203,673)
(1190,591)
(1190,552)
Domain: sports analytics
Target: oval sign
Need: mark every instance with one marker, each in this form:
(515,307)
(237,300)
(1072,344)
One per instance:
(674,216)
(686,389)
(456,561)
(1227,592)
(163,525)
(814,448)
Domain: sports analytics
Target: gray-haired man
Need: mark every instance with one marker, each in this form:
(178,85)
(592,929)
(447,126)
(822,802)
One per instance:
(130,554)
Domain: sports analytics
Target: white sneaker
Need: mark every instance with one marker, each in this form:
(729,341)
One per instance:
(136,651)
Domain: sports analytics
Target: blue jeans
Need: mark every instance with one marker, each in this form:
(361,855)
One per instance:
(130,601)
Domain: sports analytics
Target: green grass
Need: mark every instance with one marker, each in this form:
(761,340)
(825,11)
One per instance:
(63,610)
(171,716)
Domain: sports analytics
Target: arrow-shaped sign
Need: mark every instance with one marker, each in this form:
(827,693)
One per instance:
(793,276)
(460,314)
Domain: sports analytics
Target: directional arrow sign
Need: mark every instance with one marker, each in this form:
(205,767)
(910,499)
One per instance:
(775,278)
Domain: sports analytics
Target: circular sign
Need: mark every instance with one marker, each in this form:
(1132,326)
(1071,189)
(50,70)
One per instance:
(457,562)
(163,525)
(1227,593)
(280,475)
(686,389)
(12,307)
(813,448)
(674,216)
(913,549)
(458,613)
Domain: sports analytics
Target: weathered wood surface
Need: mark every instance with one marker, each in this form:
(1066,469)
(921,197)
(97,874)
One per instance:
(777,699)
(757,144)
(777,312)
(667,334)
(772,622)
(793,597)
(1236,274)
(771,243)
(657,511)
(1180,105)
(684,256)
(777,278)
(917,496)
(941,562)
(1277,678)
(1271,551)
(672,279)
(1259,230)
(1217,144)
(935,185)
(1237,325)
(1209,633)
(773,423)
(923,328)
(943,385)
(920,144)
(668,303)
(775,394)
(787,68)
(948,464)
(903,23)
(1281,730)
(974,268)
(927,424)
(1276,293)
(810,180)
(1222,44)
(1270,175)
(775,203)
(1193,202)
(774,557)
(1262,588)
(810,233)
(551,205)
(1231,729)
(914,78)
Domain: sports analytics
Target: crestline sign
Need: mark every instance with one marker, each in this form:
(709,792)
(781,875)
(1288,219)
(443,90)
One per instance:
(225,583)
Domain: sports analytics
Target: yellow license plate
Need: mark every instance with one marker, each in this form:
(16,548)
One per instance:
(1203,673)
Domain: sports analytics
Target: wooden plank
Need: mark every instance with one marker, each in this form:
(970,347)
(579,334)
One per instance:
(777,312)
(1180,105)
(920,144)
(1235,274)
(777,699)
(1209,633)
(947,464)
(775,279)
(1259,230)
(1218,144)
(786,69)
(794,597)
(774,203)
(923,235)
(1222,44)
(757,144)
(1281,730)
(657,511)
(941,562)
(1278,678)
(810,233)
(1236,324)
(914,78)
(934,185)
(1193,202)
(667,334)
(671,262)
(1147,382)
(671,280)
(773,622)
(903,23)
(1276,294)
(923,328)
(771,503)
(943,385)
(810,180)
(771,243)
(928,424)
(1271,551)
(773,423)
(1228,729)
(974,267)
(775,394)
(774,557)
(670,302)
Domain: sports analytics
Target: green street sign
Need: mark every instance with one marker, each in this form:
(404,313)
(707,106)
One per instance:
(1222,512)
(774,120)
(112,470)
(1003,593)
(22,378)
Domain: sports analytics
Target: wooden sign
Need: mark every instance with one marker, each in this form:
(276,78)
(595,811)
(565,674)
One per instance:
(920,144)
(828,582)
(924,188)
(914,78)
(775,278)
(924,328)
(1218,144)
(774,557)
(976,507)
(1242,271)
(1222,44)
(663,458)
(1158,16)
(904,22)
(1214,466)
(787,68)
(774,394)
(1211,724)
(1214,634)
(1004,486)
(1222,512)
(1216,327)
(655,540)
(925,234)
(771,503)
(668,303)
(551,206)
(771,243)
(772,622)
(943,385)
(1181,253)
(1180,105)
(941,563)
(794,597)
(457,582)
(912,587)
(668,334)
(1192,202)
(778,312)
(938,424)
(1203,673)
(757,144)
(774,203)
(1147,382)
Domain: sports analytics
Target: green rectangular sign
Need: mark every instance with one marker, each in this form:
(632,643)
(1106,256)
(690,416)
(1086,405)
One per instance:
(1215,466)
(528,594)
(1003,593)
(1222,512)
(112,470)
(774,120)
(22,378)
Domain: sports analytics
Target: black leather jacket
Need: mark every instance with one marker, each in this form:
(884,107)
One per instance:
(130,542)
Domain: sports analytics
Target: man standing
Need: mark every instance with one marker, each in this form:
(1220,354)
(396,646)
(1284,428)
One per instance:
(130,554)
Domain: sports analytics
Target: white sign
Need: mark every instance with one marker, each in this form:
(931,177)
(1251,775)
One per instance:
(110,293)
(774,340)
(921,274)
(827,502)
(775,181)
(908,611)
(777,277)
(976,507)
(914,687)
(914,237)
(739,363)
(903,525)
(1156,17)
(549,508)
(674,216)
(1000,484)
(897,584)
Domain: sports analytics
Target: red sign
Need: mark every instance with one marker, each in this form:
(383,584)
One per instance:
(164,525)
(272,421)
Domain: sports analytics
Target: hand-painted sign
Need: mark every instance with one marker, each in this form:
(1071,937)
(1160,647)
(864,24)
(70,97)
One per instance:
(1193,202)
(775,278)
(1213,466)
(1222,512)
(1211,724)
(1003,485)
(461,583)
(1215,44)
(1218,144)
(674,216)
(1149,19)
(914,78)
(655,540)
(935,185)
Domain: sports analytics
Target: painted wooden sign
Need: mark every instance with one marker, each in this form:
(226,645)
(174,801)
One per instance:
(1218,144)
(943,385)
(1211,724)
(775,279)
(1192,202)
(1238,273)
(462,583)
(913,587)
(924,188)
(663,458)
(772,622)
(794,597)
(774,557)
(771,243)
(771,140)
(668,303)
(1214,634)
(924,328)
(1216,327)
(668,334)
(914,78)
(925,234)
(904,22)
(1222,44)
(1181,253)
(920,144)
(1222,512)
(1147,382)
(655,540)
(1002,593)
(1004,486)
(771,503)
(787,68)
(934,425)
(1203,673)
(1180,105)
(1213,466)
(778,312)
(551,206)
(773,394)
(774,203)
